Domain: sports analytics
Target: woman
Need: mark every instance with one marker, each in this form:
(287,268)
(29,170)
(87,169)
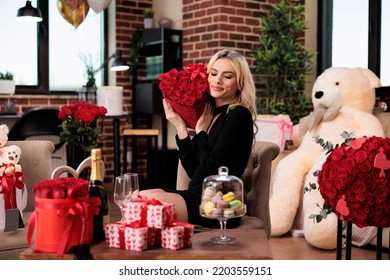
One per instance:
(224,135)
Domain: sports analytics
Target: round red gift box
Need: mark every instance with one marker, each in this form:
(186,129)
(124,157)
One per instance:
(66,221)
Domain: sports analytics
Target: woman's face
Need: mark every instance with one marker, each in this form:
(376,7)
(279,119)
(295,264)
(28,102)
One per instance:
(223,82)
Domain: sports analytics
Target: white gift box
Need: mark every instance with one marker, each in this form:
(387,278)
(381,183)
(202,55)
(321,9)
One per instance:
(134,212)
(136,239)
(157,216)
(115,235)
(274,128)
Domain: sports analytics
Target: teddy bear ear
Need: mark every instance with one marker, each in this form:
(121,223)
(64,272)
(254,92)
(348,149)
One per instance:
(4,128)
(374,80)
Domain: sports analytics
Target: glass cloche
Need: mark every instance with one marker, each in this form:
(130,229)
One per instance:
(222,199)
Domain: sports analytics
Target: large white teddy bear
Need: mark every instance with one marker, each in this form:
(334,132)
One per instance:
(343,100)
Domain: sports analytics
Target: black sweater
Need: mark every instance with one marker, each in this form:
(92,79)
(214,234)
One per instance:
(228,143)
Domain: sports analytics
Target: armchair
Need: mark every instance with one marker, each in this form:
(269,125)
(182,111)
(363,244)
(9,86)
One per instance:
(256,179)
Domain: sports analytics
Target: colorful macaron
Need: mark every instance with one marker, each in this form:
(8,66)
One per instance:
(234,204)
(217,212)
(222,204)
(208,208)
(228,213)
(216,198)
(229,197)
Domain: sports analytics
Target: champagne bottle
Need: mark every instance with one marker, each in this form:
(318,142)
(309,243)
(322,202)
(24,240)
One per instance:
(96,189)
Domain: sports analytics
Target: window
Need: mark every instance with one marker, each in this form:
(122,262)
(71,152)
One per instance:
(46,57)
(385,44)
(350,33)
(348,39)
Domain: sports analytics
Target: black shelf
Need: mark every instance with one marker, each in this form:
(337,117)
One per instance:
(147,96)
(166,45)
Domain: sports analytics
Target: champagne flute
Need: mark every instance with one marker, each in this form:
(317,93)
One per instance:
(132,183)
(120,190)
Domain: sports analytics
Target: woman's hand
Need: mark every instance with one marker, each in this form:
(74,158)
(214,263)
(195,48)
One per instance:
(205,119)
(175,120)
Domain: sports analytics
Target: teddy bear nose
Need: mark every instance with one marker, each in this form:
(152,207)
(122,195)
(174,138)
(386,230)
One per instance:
(318,94)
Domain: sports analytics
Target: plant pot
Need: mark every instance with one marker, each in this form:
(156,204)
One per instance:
(7,86)
(87,94)
(148,23)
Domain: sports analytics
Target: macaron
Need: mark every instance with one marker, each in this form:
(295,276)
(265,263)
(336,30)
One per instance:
(222,204)
(229,196)
(239,211)
(210,191)
(216,198)
(206,198)
(208,208)
(217,212)
(220,193)
(234,204)
(228,213)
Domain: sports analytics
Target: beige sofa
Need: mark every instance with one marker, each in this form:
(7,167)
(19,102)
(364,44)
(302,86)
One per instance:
(36,166)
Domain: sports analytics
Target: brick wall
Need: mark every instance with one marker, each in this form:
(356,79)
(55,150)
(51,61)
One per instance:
(211,25)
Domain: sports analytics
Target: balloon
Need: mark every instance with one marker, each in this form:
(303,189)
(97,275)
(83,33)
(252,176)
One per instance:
(99,5)
(74,11)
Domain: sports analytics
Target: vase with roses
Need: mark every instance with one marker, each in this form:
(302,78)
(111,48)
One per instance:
(80,130)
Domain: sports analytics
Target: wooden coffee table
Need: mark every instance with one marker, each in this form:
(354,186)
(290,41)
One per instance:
(252,244)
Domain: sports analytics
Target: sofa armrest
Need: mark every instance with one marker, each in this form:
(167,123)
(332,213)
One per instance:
(257,178)
(35,160)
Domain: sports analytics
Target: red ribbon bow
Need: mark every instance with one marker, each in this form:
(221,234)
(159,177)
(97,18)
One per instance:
(195,70)
(170,215)
(10,180)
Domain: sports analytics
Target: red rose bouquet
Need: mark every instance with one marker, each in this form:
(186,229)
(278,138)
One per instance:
(355,181)
(187,91)
(79,124)
(62,188)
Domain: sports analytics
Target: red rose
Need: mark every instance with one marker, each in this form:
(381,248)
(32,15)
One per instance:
(360,156)
(62,188)
(337,154)
(358,187)
(327,190)
(338,183)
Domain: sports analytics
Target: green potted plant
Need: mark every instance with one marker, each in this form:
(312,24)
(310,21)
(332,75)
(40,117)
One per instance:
(7,83)
(148,18)
(282,62)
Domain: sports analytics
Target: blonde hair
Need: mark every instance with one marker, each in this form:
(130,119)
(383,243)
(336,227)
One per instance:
(246,94)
